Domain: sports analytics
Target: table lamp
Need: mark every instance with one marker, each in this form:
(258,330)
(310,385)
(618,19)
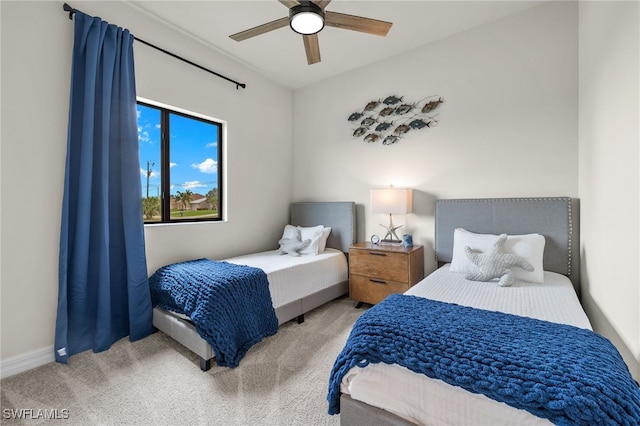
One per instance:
(391,201)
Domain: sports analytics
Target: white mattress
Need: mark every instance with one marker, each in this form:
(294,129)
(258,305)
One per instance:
(426,401)
(292,278)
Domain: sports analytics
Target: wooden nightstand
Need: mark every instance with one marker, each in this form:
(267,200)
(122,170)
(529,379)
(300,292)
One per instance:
(376,271)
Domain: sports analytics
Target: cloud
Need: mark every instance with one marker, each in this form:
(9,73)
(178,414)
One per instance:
(207,166)
(143,172)
(211,145)
(172,165)
(193,184)
(143,135)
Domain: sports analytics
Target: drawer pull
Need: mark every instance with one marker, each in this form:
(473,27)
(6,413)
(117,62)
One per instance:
(377,281)
(376,253)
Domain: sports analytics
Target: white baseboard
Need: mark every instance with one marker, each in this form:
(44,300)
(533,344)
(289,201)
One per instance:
(27,361)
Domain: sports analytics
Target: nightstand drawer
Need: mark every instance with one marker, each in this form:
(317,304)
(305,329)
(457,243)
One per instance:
(373,290)
(386,266)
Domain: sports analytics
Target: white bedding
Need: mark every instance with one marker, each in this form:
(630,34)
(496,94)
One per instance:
(292,278)
(426,401)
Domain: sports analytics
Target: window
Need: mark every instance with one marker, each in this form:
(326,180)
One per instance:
(180,167)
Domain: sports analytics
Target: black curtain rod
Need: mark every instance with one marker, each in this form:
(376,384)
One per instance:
(71,11)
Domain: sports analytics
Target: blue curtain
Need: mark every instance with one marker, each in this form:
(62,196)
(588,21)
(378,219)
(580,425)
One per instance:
(103,284)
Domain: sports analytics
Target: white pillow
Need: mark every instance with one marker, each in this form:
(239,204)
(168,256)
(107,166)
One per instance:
(322,245)
(529,246)
(477,242)
(314,233)
(289,231)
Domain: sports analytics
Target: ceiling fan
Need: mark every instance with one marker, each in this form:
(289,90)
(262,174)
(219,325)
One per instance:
(308,18)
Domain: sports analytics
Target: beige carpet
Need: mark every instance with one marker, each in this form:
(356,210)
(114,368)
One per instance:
(281,381)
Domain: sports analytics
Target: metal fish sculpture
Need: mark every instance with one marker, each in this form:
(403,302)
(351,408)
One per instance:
(372,126)
(392,100)
(368,121)
(430,106)
(386,111)
(419,124)
(359,131)
(371,105)
(403,109)
(401,129)
(355,116)
(390,140)
(383,126)
(371,137)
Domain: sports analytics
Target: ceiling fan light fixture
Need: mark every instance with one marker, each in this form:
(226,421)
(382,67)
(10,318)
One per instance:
(306,19)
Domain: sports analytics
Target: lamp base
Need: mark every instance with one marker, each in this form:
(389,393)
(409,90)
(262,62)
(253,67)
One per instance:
(391,236)
(391,242)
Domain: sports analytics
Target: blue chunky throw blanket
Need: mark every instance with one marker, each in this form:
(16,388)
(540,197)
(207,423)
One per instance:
(229,304)
(562,373)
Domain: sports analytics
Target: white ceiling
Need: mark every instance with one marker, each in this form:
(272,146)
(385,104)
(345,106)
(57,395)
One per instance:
(280,56)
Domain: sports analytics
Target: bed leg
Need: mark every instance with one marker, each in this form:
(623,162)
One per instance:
(359,305)
(205,364)
(300,319)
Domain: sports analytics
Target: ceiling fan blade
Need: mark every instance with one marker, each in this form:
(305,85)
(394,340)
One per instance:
(322,3)
(289,3)
(356,23)
(261,29)
(312,48)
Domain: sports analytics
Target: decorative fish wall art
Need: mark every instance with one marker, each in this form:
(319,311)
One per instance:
(390,119)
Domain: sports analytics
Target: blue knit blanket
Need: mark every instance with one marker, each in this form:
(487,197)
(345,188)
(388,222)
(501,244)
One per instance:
(230,305)
(565,374)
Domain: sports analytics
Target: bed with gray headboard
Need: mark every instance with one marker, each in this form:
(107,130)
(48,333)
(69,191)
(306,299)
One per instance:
(555,218)
(304,293)
(395,389)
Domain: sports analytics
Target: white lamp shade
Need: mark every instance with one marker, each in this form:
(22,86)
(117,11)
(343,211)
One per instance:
(391,200)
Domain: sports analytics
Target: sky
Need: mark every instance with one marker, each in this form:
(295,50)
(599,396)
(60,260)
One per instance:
(193,153)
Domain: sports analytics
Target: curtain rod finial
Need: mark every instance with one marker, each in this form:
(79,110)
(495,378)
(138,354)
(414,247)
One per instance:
(69,9)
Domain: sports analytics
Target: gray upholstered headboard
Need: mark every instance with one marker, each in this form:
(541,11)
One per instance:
(339,215)
(556,218)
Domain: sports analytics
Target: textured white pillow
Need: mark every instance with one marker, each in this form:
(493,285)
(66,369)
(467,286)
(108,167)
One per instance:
(529,246)
(294,245)
(313,233)
(496,263)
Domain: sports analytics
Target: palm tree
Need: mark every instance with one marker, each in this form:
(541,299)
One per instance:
(187,197)
(180,201)
(182,198)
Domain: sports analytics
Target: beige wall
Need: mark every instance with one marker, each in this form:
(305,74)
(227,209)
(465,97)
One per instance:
(37,39)
(507,127)
(609,135)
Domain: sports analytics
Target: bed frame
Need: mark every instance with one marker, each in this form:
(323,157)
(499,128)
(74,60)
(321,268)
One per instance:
(340,216)
(557,218)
